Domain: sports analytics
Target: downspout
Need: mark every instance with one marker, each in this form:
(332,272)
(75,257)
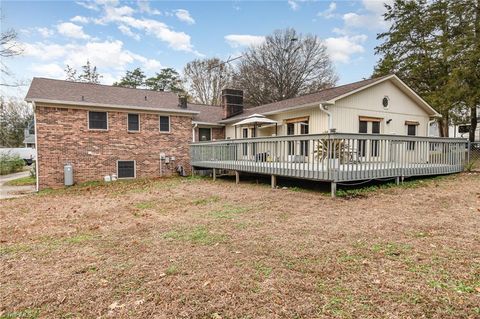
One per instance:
(324,108)
(36,145)
(193,132)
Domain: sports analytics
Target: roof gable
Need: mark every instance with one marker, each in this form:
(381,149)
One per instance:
(331,95)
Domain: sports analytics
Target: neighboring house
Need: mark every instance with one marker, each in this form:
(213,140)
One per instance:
(383,105)
(105,130)
(29,135)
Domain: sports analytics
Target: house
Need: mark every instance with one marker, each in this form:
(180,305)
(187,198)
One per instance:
(103,130)
(372,129)
(113,132)
(384,105)
(29,135)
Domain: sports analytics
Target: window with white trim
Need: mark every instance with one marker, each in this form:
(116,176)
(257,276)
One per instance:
(133,122)
(126,169)
(165,124)
(97,120)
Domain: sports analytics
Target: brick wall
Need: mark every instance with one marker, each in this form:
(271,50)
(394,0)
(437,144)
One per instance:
(63,137)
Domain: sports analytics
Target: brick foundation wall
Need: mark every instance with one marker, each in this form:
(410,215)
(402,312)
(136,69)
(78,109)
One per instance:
(63,137)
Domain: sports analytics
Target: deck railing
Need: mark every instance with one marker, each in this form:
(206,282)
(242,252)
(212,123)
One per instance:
(334,157)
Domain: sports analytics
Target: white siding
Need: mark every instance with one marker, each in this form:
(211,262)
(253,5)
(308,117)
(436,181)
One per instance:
(317,123)
(346,111)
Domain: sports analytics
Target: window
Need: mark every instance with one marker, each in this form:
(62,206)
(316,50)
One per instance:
(375,143)
(133,122)
(412,131)
(204,134)
(97,120)
(164,123)
(304,144)
(362,144)
(126,169)
(245,145)
(291,144)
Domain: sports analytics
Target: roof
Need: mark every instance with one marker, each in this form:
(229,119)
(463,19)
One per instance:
(88,94)
(328,95)
(209,114)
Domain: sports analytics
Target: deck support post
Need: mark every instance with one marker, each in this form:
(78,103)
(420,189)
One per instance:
(274,181)
(333,187)
(401,179)
(214,174)
(237,177)
(397,180)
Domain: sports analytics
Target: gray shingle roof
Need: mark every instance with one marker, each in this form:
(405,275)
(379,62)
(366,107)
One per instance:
(320,96)
(43,89)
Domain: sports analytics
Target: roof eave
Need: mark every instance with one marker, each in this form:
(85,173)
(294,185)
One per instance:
(113,106)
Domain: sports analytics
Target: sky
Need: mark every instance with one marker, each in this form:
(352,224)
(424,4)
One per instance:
(119,35)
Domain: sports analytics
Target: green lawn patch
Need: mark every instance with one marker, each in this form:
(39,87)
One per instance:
(22,181)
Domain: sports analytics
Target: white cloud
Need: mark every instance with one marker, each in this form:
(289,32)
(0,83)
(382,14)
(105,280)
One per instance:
(124,16)
(110,57)
(184,15)
(370,18)
(127,31)
(45,32)
(144,6)
(80,19)
(342,48)
(72,30)
(44,51)
(329,13)
(293,5)
(239,40)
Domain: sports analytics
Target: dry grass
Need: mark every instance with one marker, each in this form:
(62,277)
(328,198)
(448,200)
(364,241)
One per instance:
(192,248)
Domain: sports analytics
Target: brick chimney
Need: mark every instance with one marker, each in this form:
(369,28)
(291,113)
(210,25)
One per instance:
(232,102)
(182,101)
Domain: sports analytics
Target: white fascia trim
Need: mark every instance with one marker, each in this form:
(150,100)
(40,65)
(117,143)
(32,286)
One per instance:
(208,124)
(288,109)
(113,106)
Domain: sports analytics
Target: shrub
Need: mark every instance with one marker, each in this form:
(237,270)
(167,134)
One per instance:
(10,164)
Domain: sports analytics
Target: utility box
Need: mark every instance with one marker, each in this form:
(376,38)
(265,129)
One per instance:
(68,175)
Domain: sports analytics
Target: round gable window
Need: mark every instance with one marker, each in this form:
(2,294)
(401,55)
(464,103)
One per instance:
(385,102)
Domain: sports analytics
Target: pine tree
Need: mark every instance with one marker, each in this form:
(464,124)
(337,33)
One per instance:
(132,79)
(166,80)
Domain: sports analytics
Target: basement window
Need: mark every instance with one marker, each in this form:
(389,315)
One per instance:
(165,124)
(126,169)
(133,122)
(97,120)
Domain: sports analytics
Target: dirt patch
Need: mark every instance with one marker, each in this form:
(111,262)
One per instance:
(193,248)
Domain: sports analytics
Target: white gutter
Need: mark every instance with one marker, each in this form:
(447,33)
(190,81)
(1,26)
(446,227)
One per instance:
(36,145)
(323,107)
(193,132)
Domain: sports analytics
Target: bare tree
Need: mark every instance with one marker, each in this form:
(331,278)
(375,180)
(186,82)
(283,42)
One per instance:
(89,74)
(9,47)
(206,78)
(286,65)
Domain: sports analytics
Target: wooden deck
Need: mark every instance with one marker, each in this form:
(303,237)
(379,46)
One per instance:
(334,157)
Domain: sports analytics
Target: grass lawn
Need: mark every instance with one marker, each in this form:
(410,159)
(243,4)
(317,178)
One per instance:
(22,181)
(193,248)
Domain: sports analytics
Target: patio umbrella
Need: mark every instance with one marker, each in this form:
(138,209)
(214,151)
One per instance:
(255,120)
